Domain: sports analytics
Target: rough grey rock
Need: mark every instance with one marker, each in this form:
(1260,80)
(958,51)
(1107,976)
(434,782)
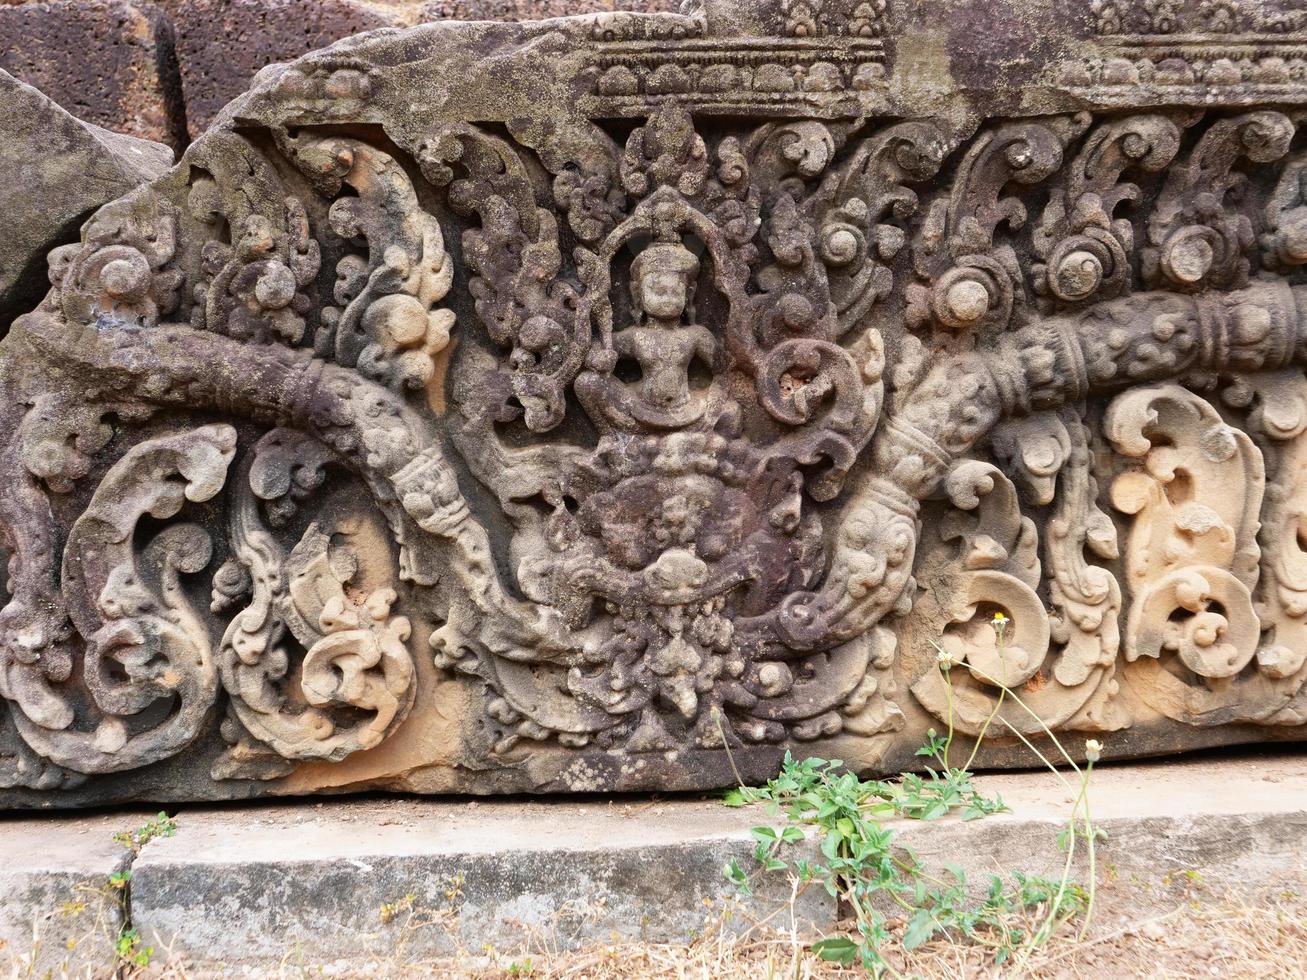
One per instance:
(250,886)
(58,170)
(59,915)
(247,887)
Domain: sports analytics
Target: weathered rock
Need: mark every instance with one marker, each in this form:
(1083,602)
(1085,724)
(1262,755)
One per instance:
(59,169)
(208,51)
(518,10)
(109,62)
(538,407)
(249,888)
(59,912)
(222,44)
(497,874)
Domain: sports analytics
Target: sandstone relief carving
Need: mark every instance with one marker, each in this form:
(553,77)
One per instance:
(445,423)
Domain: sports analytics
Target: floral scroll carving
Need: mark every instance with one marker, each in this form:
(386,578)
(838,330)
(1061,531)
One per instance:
(145,644)
(445,446)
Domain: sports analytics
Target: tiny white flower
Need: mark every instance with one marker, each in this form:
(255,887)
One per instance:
(945,659)
(1093,748)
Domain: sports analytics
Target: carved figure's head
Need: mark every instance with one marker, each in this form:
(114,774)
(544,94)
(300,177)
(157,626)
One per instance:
(661,277)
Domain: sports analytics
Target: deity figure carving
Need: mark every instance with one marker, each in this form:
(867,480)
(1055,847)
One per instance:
(624,401)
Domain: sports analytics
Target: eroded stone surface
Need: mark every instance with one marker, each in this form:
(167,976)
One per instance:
(59,915)
(61,169)
(496,873)
(109,62)
(222,44)
(553,406)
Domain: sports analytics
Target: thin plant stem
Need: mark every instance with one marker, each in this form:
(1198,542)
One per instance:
(1090,835)
(717,720)
(948,695)
(1040,755)
(998,706)
(1050,921)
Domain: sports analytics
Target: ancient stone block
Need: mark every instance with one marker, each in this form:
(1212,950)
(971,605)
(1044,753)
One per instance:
(623,401)
(57,915)
(59,169)
(222,44)
(109,62)
(579,872)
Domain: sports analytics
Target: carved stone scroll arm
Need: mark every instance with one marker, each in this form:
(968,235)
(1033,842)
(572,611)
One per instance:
(361,420)
(1146,337)
(526,632)
(268,384)
(1149,337)
(144,644)
(35,631)
(1051,363)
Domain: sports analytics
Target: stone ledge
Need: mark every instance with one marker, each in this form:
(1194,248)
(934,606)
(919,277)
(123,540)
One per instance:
(248,886)
(244,885)
(50,867)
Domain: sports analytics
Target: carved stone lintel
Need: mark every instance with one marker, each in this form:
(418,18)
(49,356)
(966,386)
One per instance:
(657,400)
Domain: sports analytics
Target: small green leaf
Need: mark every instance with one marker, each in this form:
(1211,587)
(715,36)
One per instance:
(735,874)
(921,927)
(836,949)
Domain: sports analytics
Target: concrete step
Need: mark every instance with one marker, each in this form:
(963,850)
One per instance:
(248,885)
(59,914)
(351,880)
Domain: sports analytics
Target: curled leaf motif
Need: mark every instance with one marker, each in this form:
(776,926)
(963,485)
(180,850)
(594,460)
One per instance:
(146,648)
(355,675)
(521,298)
(1195,240)
(1192,556)
(1282,655)
(1285,239)
(123,267)
(389,327)
(1084,247)
(969,278)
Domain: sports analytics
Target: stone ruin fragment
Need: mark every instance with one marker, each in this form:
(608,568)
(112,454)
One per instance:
(622,401)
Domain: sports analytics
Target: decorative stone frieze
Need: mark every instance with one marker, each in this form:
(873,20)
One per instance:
(623,401)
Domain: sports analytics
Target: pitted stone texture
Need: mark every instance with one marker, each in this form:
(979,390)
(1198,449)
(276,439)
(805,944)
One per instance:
(209,50)
(58,915)
(247,886)
(222,44)
(58,170)
(109,62)
(1236,816)
(537,9)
